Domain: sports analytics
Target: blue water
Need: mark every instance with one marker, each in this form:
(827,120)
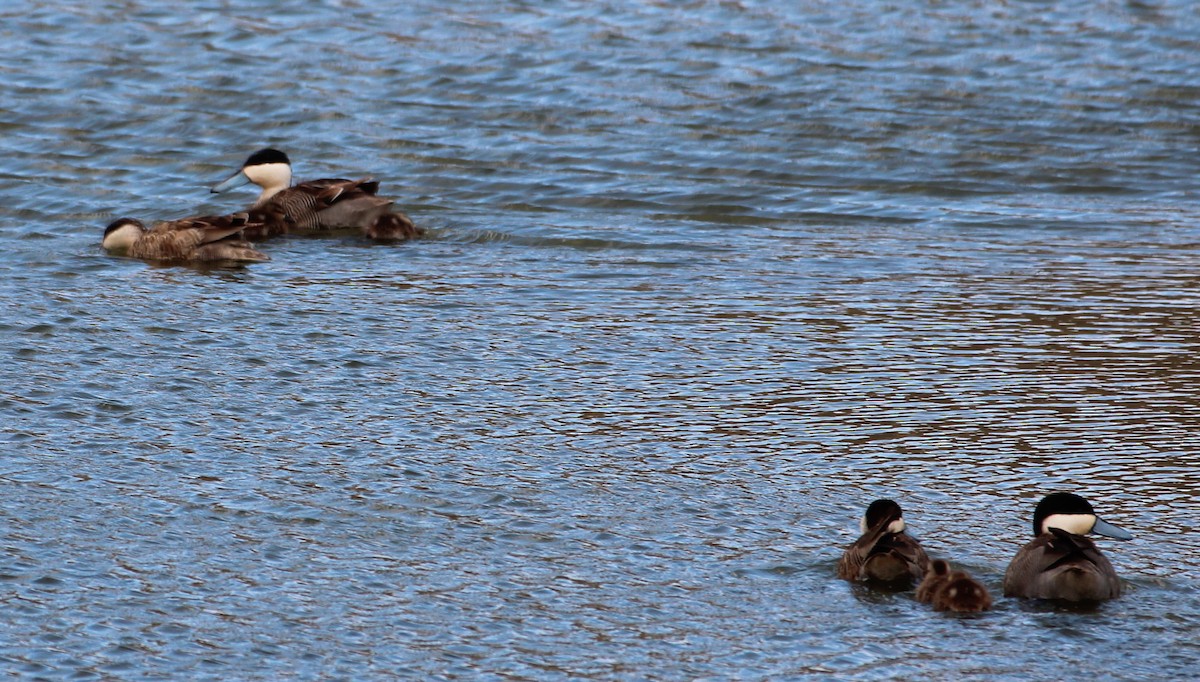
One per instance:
(702,279)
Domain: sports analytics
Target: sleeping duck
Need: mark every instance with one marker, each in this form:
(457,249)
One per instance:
(203,238)
(884,554)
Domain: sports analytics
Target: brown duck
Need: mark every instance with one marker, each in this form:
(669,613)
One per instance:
(884,555)
(203,238)
(317,206)
(1060,563)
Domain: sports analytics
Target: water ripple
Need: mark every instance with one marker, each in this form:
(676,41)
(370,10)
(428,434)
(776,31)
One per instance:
(702,278)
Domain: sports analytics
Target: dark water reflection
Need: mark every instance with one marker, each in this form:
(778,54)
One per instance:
(703,278)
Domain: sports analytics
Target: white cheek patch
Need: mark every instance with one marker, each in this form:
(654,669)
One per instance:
(121,238)
(1079,524)
(270,176)
(896,526)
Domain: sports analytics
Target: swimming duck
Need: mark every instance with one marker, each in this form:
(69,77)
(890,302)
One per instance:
(1060,563)
(935,578)
(203,238)
(962,594)
(316,206)
(884,554)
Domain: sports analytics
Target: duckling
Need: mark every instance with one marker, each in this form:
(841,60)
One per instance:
(935,578)
(961,593)
(1060,563)
(316,206)
(203,238)
(884,555)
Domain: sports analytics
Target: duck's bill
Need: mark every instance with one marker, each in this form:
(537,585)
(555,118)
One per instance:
(236,180)
(1108,530)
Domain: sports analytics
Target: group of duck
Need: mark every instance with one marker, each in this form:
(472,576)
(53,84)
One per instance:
(1060,563)
(326,206)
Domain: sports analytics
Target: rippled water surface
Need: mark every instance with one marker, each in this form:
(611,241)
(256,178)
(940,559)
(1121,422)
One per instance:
(702,279)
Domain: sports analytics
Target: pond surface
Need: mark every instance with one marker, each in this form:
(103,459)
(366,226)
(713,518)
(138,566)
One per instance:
(702,280)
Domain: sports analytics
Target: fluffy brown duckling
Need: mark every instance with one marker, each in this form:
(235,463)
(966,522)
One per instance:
(935,577)
(961,593)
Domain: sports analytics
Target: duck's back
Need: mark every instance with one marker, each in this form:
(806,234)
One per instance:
(203,238)
(166,241)
(321,206)
(891,558)
(1061,566)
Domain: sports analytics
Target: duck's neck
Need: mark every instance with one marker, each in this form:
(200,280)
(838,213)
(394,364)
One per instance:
(267,193)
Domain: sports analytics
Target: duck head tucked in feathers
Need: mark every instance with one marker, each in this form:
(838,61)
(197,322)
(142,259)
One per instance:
(884,555)
(201,238)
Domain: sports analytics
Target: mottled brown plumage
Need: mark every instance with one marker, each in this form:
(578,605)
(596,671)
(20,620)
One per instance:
(884,555)
(201,238)
(935,577)
(962,594)
(950,590)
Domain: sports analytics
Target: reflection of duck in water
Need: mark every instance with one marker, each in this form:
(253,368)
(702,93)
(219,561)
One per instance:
(205,238)
(884,555)
(1060,563)
(316,206)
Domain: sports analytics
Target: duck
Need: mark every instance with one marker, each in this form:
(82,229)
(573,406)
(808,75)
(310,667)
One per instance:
(1060,563)
(200,238)
(961,593)
(935,578)
(884,555)
(316,206)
